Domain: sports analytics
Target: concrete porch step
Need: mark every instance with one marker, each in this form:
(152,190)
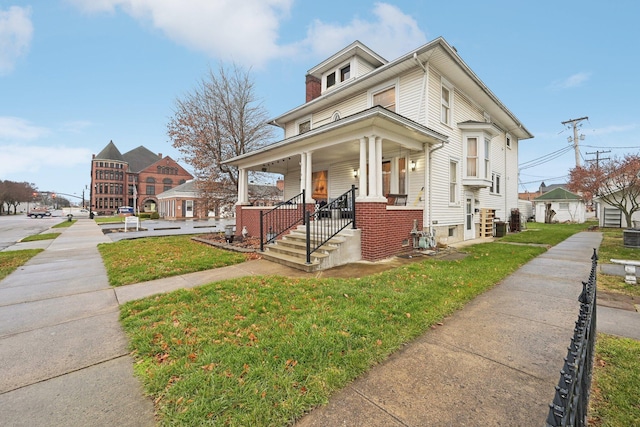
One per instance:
(291,261)
(286,248)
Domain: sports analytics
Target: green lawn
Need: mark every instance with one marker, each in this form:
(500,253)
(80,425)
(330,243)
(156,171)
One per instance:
(264,350)
(43,236)
(11,260)
(65,224)
(141,260)
(612,247)
(616,381)
(549,234)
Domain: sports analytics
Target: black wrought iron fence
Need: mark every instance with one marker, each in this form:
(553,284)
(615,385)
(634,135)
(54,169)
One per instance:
(571,401)
(330,219)
(281,219)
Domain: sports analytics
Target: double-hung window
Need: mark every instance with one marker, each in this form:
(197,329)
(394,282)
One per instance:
(495,183)
(446,102)
(386,98)
(472,157)
(453,182)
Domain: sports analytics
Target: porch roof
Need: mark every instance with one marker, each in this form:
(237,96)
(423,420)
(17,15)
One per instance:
(395,130)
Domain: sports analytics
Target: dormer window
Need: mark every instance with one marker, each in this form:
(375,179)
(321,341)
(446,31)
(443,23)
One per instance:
(337,75)
(331,79)
(345,73)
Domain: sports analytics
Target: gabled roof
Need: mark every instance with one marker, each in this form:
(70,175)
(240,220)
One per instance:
(140,158)
(354,49)
(437,53)
(558,194)
(110,152)
(546,188)
(188,189)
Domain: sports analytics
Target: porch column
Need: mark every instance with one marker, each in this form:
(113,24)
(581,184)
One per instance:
(379,168)
(303,171)
(243,188)
(309,178)
(373,168)
(362,194)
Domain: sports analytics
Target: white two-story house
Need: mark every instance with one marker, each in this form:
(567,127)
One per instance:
(430,151)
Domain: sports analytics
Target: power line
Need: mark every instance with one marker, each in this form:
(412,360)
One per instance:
(544,159)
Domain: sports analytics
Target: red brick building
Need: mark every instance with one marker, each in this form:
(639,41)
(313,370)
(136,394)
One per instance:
(132,179)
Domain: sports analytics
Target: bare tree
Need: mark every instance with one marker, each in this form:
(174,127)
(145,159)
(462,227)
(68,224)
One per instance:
(615,182)
(220,119)
(13,193)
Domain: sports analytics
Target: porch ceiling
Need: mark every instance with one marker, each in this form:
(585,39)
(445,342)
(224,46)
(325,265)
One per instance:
(340,141)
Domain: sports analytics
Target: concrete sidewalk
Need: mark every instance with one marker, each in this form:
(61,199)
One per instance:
(63,354)
(495,362)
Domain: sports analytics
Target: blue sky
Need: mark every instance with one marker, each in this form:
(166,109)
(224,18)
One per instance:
(75,74)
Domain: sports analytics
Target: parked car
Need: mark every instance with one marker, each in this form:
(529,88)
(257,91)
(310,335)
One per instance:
(38,213)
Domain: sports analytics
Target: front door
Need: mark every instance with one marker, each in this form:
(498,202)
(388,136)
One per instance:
(469,226)
(188,209)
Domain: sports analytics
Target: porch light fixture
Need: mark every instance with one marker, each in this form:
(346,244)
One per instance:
(356,173)
(412,165)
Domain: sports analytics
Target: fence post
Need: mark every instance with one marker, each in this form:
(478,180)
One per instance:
(353,206)
(308,232)
(261,233)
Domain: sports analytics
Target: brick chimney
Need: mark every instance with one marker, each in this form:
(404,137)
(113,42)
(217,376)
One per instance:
(314,87)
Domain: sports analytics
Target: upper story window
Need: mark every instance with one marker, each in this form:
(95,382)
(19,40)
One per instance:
(446,103)
(472,157)
(331,79)
(487,157)
(304,127)
(337,75)
(345,73)
(386,98)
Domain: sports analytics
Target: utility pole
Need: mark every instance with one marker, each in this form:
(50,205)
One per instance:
(598,159)
(576,137)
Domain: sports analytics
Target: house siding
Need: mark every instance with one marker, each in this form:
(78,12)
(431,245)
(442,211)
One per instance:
(386,229)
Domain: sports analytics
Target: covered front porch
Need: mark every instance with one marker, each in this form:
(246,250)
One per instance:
(383,156)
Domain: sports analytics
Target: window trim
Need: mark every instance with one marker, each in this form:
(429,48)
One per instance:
(301,121)
(338,76)
(382,88)
(444,83)
(496,183)
(456,184)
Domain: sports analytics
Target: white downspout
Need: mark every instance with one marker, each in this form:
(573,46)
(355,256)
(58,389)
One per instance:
(425,76)
(430,209)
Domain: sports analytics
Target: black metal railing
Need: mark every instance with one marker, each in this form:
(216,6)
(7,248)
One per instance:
(571,401)
(281,219)
(330,219)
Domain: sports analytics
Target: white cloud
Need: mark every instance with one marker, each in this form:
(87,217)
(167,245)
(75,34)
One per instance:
(16,31)
(15,128)
(76,126)
(247,31)
(391,34)
(574,80)
(24,159)
(614,129)
(244,31)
